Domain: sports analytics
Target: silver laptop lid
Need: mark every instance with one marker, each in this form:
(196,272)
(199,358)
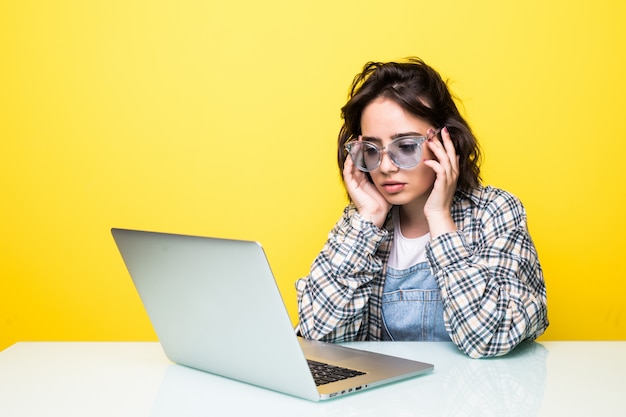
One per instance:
(174,274)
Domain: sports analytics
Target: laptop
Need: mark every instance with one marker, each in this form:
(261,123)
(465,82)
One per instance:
(215,306)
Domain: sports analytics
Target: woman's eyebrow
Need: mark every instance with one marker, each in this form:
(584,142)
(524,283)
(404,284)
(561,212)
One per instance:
(371,139)
(401,135)
(395,136)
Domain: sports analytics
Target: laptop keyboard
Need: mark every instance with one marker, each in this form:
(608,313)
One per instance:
(324,373)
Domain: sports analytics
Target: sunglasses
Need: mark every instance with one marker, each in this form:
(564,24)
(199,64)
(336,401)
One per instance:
(405,152)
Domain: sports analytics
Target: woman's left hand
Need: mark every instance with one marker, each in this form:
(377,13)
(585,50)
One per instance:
(446,167)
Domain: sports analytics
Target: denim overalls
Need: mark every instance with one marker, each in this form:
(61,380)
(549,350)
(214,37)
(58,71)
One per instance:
(412,306)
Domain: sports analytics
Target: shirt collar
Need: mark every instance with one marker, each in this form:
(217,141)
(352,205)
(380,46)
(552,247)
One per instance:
(472,194)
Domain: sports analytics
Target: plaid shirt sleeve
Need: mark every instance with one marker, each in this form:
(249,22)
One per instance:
(333,299)
(489,274)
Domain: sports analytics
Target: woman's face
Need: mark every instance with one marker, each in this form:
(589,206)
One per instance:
(382,121)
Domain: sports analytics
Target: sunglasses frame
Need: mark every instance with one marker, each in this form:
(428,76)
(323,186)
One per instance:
(419,141)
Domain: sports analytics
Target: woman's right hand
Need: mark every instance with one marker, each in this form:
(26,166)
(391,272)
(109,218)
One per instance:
(369,202)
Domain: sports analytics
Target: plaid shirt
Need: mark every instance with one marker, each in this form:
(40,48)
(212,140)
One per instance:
(491,282)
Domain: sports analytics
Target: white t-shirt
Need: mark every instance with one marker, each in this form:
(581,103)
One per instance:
(406,252)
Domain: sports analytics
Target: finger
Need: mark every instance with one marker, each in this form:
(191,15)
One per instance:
(353,177)
(445,169)
(438,150)
(449,147)
(445,152)
(435,166)
(348,169)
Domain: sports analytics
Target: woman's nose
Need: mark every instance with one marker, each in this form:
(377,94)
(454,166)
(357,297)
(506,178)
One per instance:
(386,165)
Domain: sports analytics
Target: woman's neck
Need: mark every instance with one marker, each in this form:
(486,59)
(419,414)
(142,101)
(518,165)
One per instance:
(413,223)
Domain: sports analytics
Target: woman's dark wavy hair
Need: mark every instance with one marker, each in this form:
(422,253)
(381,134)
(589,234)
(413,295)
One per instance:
(420,90)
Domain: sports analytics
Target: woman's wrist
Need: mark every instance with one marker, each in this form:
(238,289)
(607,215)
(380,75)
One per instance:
(441,223)
(376,217)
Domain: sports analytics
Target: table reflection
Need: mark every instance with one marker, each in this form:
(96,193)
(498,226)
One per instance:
(509,386)
(512,385)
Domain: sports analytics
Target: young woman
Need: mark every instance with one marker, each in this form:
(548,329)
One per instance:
(423,251)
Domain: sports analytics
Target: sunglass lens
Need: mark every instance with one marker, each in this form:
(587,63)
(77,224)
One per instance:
(364,155)
(406,153)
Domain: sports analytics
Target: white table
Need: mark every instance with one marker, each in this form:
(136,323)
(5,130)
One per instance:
(136,379)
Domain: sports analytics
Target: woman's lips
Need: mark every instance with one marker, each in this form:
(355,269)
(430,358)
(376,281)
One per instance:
(393,187)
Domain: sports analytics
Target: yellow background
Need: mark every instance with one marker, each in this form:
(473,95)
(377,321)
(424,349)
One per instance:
(220,118)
